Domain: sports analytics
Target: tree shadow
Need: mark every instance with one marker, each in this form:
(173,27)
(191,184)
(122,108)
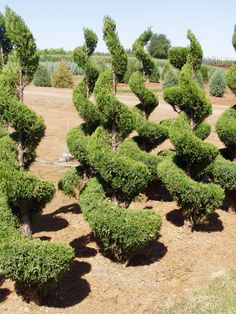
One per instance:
(44,238)
(157,191)
(80,246)
(71,208)
(213,224)
(4,292)
(149,255)
(175,217)
(72,289)
(50,222)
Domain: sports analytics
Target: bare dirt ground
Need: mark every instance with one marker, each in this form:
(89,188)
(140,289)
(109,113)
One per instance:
(154,280)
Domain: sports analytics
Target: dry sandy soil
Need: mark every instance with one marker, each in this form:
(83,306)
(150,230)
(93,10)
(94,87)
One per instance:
(154,280)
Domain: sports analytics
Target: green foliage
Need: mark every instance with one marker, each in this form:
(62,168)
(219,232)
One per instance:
(234,38)
(223,172)
(130,149)
(36,264)
(217,84)
(205,73)
(77,143)
(123,232)
(231,78)
(196,199)
(29,127)
(91,40)
(159,46)
(42,77)
(118,53)
(178,56)
(226,128)
(150,133)
(194,102)
(71,182)
(5,43)
(195,52)
(188,146)
(148,100)
(9,79)
(138,49)
(122,173)
(133,66)
(62,77)
(173,95)
(199,79)
(202,130)
(170,78)
(23,43)
(155,75)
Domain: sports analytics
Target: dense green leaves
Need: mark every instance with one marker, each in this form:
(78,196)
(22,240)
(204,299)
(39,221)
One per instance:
(231,78)
(123,232)
(195,52)
(217,84)
(118,54)
(5,43)
(178,56)
(159,46)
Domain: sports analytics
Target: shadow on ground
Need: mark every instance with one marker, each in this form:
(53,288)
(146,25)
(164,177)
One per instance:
(213,224)
(72,289)
(81,248)
(4,292)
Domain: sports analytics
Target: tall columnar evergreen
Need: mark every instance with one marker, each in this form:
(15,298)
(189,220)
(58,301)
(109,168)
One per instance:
(110,175)
(183,169)
(119,56)
(5,43)
(231,74)
(23,43)
(82,58)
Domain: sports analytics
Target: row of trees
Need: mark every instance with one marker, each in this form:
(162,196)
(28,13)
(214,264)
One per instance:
(115,167)
(33,264)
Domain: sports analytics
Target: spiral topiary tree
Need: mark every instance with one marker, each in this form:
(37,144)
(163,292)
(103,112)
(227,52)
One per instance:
(108,179)
(231,74)
(34,265)
(184,168)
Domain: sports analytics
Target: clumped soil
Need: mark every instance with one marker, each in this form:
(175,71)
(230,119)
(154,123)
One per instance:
(165,272)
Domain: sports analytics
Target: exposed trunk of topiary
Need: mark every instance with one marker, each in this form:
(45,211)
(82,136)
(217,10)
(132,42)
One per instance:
(114,83)
(20,152)
(230,201)
(25,225)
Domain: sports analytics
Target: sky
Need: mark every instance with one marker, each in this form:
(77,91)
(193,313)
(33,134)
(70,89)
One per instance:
(60,23)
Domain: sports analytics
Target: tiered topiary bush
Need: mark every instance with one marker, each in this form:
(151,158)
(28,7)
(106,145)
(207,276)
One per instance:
(34,265)
(108,178)
(183,169)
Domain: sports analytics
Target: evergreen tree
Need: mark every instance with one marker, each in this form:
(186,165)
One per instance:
(108,179)
(5,43)
(24,44)
(188,165)
(159,46)
(231,74)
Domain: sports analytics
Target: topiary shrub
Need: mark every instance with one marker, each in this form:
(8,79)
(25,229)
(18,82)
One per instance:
(217,84)
(231,78)
(178,56)
(170,79)
(133,65)
(205,73)
(42,77)
(124,175)
(62,77)
(123,232)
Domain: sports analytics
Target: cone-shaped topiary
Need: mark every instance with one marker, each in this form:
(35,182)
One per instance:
(42,77)
(217,84)
(62,77)
(108,177)
(192,156)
